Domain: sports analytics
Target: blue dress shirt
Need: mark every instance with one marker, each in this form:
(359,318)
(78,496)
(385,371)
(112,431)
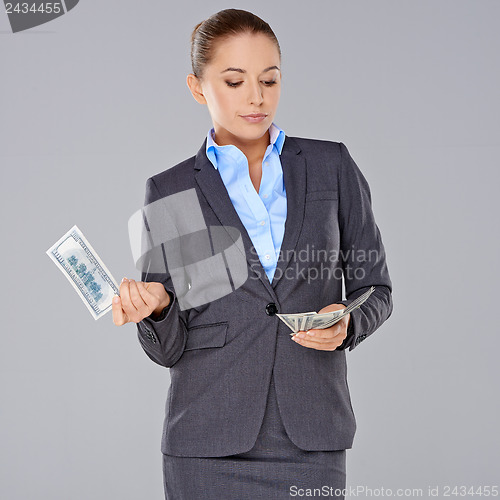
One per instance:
(264,213)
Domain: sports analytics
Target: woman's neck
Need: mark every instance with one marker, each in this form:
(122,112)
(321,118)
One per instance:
(253,150)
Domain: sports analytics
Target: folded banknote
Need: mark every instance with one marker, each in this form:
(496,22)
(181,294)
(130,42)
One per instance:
(79,262)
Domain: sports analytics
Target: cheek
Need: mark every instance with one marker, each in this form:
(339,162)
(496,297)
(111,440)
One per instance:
(225,101)
(274,95)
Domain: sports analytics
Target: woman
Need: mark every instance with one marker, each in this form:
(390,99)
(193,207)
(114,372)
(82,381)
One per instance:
(254,413)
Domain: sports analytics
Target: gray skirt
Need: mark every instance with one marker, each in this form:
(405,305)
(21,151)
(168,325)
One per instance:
(275,468)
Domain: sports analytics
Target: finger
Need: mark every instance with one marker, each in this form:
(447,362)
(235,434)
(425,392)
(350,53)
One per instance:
(127,305)
(303,337)
(318,342)
(323,343)
(150,299)
(135,296)
(320,346)
(337,333)
(118,314)
(323,333)
(144,306)
(311,344)
(319,333)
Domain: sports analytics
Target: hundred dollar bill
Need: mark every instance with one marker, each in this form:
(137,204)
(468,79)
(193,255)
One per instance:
(309,320)
(79,262)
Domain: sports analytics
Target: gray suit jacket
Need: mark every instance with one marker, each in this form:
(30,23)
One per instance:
(221,355)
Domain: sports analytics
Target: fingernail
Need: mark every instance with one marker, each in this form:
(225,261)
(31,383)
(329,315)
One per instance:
(311,333)
(116,299)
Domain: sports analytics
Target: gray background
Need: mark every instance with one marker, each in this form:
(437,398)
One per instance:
(95,102)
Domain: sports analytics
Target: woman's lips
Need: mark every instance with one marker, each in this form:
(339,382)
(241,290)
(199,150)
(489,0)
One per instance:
(254,118)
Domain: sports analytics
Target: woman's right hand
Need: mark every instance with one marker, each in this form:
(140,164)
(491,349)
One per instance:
(138,300)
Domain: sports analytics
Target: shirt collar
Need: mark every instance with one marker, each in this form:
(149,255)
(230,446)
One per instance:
(276,135)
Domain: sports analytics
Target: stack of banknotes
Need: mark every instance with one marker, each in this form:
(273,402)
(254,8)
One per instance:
(309,320)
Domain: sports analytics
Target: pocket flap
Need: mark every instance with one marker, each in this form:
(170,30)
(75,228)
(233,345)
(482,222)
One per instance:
(202,336)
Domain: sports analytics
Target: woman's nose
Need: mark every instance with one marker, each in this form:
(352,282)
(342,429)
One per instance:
(255,96)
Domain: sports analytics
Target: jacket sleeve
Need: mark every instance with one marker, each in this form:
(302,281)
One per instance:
(362,254)
(163,339)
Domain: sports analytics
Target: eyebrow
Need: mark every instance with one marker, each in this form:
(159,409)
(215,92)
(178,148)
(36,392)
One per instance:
(239,70)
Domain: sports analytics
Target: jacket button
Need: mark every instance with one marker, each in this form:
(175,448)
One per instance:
(271,309)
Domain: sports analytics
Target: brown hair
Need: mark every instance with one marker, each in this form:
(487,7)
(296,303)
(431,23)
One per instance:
(220,26)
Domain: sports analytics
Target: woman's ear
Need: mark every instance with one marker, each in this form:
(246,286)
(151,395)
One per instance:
(195,87)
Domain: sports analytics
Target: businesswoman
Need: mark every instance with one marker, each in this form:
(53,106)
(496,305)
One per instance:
(251,412)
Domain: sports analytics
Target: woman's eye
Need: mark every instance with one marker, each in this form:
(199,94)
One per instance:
(235,84)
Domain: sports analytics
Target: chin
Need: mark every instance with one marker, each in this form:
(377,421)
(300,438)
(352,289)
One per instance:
(256,135)
(255,130)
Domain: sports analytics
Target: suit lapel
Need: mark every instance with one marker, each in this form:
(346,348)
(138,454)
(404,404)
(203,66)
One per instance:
(215,192)
(294,176)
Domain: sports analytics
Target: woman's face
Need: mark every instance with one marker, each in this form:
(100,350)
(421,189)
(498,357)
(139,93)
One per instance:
(229,94)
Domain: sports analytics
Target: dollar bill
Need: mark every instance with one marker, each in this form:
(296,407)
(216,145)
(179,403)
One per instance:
(309,320)
(79,262)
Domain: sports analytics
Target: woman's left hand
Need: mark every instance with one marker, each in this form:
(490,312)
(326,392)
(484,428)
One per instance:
(327,339)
